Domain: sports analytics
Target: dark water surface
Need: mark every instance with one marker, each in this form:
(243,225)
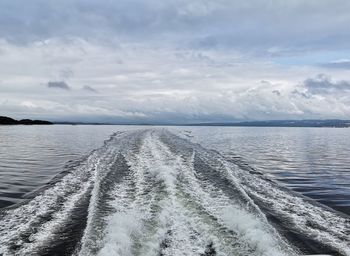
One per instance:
(30,156)
(173,191)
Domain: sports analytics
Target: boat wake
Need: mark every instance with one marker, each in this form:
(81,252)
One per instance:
(151,192)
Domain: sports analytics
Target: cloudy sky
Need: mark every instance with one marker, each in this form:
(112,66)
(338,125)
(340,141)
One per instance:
(174,60)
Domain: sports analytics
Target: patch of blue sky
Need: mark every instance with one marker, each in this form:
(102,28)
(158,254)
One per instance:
(316,58)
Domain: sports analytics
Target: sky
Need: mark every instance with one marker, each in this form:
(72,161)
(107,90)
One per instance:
(174,61)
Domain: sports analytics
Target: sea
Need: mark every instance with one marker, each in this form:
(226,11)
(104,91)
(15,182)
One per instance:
(174,190)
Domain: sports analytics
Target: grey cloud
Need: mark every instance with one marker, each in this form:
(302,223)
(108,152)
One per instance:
(89,89)
(277,92)
(66,73)
(302,94)
(58,84)
(255,25)
(339,64)
(322,84)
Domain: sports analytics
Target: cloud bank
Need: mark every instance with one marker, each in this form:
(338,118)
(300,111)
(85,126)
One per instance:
(174,61)
(324,85)
(89,88)
(58,84)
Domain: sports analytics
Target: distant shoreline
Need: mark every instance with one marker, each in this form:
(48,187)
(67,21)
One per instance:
(315,123)
(329,123)
(4,120)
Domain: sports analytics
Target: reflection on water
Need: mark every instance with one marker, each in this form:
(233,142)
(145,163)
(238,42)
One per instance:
(30,156)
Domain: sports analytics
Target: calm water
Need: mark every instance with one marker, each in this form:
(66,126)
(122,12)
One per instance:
(30,156)
(174,191)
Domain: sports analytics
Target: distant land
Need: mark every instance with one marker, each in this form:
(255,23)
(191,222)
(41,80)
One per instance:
(337,123)
(4,120)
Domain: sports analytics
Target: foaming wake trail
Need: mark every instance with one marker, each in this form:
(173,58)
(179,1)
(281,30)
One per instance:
(164,206)
(312,227)
(53,221)
(150,192)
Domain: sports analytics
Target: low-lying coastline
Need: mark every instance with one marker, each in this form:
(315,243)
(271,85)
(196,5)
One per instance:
(4,120)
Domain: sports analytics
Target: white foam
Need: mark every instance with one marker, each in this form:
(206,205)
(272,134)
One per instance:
(122,226)
(252,229)
(310,219)
(91,241)
(162,205)
(27,217)
(327,227)
(190,232)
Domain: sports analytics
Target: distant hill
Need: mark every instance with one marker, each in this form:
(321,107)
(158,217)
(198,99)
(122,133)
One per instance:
(287,123)
(4,120)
